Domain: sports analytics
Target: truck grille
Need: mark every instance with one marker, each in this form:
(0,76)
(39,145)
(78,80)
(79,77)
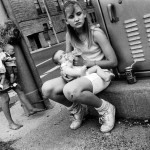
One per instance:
(147,26)
(134,39)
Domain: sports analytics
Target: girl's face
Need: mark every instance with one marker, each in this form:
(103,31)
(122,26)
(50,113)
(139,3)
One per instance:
(60,56)
(75,16)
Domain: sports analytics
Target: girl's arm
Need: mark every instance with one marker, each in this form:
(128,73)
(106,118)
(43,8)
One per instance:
(111,59)
(10,58)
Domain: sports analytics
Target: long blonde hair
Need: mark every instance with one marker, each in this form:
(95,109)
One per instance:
(86,27)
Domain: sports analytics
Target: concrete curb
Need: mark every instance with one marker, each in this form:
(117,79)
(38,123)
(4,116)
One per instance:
(131,100)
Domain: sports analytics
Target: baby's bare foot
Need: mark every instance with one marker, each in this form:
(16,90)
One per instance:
(15,126)
(110,77)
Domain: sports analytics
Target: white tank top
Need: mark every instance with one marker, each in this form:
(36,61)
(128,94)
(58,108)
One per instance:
(92,53)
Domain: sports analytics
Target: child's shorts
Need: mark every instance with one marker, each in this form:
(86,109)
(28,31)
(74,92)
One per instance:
(97,82)
(11,69)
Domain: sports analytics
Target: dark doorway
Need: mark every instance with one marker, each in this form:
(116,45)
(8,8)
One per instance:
(34,41)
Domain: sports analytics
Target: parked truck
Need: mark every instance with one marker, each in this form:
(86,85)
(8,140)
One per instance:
(127,25)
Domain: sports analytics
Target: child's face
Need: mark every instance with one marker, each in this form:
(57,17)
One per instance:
(75,16)
(10,49)
(60,56)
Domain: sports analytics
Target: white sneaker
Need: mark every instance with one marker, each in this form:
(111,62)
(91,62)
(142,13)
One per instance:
(14,84)
(1,87)
(78,112)
(107,116)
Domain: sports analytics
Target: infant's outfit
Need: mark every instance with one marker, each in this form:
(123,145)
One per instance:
(69,57)
(11,69)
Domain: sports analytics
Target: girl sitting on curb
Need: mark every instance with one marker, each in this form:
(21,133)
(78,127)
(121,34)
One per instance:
(95,50)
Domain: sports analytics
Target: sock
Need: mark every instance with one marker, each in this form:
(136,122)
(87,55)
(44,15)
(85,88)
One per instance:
(103,106)
(74,108)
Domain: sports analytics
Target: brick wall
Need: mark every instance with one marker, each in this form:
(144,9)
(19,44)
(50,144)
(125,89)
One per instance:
(23,10)
(26,15)
(30,22)
(51,7)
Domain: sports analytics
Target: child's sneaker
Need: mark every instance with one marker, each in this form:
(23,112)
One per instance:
(107,116)
(14,84)
(78,112)
(1,87)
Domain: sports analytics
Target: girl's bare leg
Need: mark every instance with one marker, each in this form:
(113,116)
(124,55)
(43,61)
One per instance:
(2,79)
(12,78)
(80,90)
(4,98)
(53,89)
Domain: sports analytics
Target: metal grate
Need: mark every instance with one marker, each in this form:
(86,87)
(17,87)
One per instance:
(147,26)
(134,39)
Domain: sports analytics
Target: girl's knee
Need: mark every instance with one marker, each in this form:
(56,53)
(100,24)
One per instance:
(46,90)
(52,88)
(72,94)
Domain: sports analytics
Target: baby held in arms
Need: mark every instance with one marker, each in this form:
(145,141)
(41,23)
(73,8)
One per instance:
(70,72)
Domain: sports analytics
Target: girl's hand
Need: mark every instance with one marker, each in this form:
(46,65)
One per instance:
(78,61)
(89,63)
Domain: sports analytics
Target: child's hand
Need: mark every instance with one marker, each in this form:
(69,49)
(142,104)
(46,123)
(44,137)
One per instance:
(14,58)
(78,61)
(89,63)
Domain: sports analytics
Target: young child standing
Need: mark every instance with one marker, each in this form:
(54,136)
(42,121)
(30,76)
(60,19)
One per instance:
(70,72)
(95,50)
(10,64)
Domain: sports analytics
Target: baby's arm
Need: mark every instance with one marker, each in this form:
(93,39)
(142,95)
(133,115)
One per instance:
(74,71)
(11,59)
(105,75)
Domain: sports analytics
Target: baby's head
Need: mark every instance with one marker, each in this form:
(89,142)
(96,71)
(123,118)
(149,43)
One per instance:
(58,57)
(9,49)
